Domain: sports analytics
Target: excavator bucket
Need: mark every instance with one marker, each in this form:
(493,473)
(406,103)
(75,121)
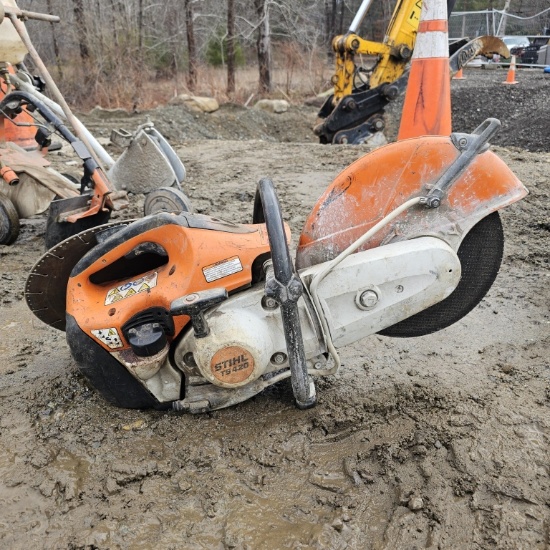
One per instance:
(482,45)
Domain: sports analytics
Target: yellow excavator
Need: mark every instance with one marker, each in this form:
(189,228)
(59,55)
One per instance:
(353,112)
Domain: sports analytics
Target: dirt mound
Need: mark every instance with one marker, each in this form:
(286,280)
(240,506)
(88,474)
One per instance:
(230,122)
(523,109)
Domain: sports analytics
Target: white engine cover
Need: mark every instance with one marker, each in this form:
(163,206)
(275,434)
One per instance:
(396,280)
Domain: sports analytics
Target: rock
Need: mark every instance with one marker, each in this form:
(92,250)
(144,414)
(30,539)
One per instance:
(338,525)
(196,103)
(184,485)
(507,369)
(333,482)
(137,425)
(111,486)
(316,101)
(420,450)
(376,140)
(273,105)
(367,477)
(47,487)
(102,112)
(415,504)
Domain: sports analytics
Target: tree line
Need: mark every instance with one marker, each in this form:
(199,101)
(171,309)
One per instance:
(103,47)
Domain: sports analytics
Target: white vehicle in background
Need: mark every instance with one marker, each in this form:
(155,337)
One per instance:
(515,42)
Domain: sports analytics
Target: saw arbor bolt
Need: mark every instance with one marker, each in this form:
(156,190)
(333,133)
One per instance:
(368,299)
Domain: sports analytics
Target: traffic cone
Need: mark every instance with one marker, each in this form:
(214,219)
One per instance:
(511,77)
(427,107)
(459,75)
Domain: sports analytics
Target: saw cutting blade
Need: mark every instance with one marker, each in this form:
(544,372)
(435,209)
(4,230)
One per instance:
(46,286)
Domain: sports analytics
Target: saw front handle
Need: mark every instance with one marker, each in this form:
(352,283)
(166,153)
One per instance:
(285,287)
(469,145)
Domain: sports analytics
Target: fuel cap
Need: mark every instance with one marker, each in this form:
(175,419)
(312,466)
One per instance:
(147,340)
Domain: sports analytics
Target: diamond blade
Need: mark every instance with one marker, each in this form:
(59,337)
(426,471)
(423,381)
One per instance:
(45,291)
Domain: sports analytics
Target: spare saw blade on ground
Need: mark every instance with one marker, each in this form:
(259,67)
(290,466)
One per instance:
(46,286)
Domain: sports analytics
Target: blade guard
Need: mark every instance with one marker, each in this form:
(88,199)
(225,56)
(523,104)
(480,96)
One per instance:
(382,180)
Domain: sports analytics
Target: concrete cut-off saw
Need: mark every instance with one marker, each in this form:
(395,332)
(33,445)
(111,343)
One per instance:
(189,312)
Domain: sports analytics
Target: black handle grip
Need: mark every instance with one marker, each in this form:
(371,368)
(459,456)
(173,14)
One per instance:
(194,305)
(286,288)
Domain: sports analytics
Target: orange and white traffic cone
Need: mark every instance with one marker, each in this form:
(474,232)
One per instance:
(459,75)
(427,108)
(511,77)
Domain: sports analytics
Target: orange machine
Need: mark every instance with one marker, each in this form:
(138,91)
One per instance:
(22,129)
(220,250)
(189,312)
(73,211)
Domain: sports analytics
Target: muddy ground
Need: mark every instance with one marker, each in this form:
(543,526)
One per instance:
(437,442)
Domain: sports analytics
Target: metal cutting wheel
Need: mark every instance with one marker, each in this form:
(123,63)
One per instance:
(45,291)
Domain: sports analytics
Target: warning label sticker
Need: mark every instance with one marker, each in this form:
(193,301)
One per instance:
(132,288)
(222,269)
(109,336)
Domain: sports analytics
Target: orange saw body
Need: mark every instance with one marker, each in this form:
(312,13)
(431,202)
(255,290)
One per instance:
(195,314)
(183,260)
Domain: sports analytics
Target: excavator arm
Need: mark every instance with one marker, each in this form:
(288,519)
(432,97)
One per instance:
(393,54)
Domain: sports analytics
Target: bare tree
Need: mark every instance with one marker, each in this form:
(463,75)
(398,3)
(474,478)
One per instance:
(263,45)
(81,29)
(341,24)
(230,47)
(140,26)
(191,46)
(55,43)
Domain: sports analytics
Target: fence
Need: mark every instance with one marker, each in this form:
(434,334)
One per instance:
(497,23)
